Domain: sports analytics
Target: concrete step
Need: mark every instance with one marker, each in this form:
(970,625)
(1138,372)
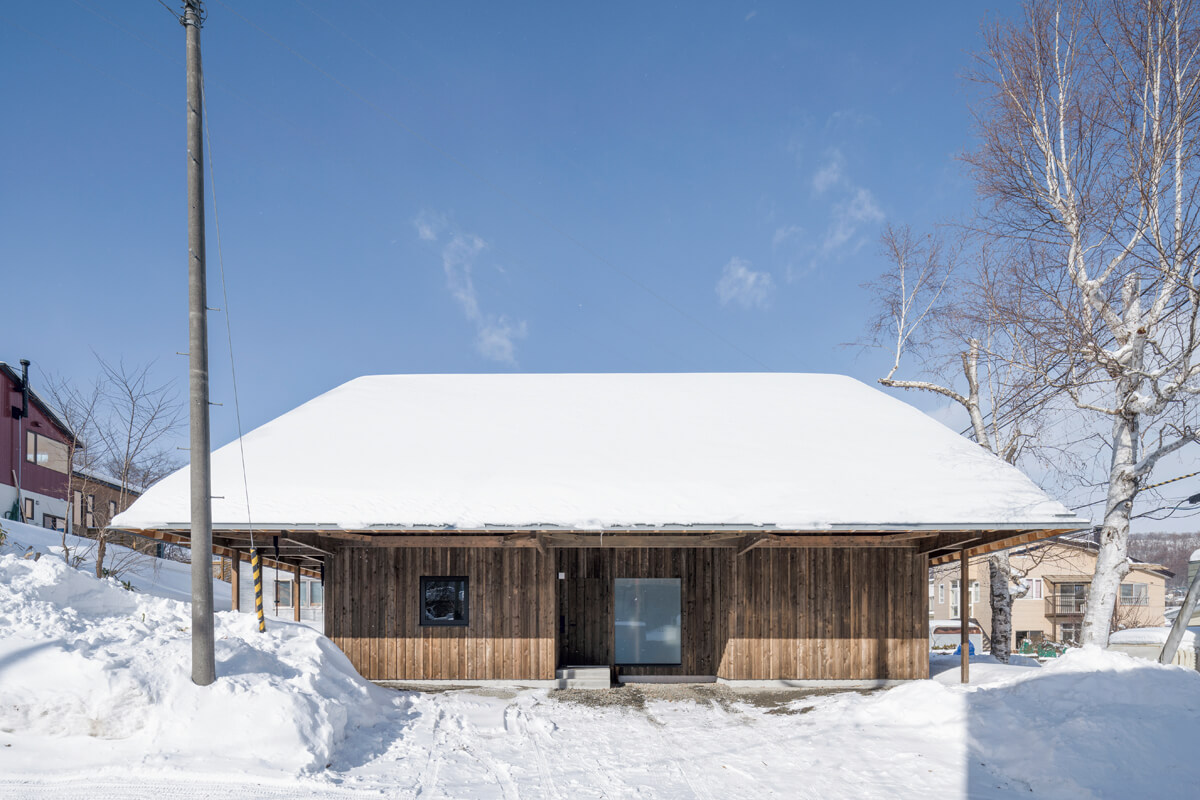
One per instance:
(583,677)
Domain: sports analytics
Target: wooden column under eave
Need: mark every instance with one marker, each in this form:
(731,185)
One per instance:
(296,592)
(964,616)
(235,575)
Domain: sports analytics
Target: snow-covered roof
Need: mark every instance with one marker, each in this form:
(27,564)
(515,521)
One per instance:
(1154,635)
(952,623)
(597,451)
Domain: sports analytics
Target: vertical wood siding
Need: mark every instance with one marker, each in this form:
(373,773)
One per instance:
(371,613)
(773,613)
(779,613)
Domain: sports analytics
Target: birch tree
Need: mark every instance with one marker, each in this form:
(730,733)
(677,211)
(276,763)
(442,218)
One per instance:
(1087,122)
(938,307)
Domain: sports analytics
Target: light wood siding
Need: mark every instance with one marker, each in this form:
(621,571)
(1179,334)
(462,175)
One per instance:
(772,613)
(371,613)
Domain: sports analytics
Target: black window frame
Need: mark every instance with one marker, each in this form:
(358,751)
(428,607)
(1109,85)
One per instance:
(425,622)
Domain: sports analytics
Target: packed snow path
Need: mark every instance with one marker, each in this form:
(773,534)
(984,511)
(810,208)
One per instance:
(96,702)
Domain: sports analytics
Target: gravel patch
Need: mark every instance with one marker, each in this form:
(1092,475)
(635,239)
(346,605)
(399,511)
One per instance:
(637,695)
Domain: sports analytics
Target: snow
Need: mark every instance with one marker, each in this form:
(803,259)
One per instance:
(796,451)
(1195,556)
(1153,635)
(171,579)
(89,667)
(96,702)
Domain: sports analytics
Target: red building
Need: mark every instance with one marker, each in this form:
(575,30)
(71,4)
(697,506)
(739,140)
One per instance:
(35,453)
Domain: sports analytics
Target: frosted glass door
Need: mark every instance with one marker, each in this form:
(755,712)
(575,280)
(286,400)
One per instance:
(648,622)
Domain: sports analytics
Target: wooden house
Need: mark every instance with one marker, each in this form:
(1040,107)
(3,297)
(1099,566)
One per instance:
(35,443)
(1057,575)
(669,526)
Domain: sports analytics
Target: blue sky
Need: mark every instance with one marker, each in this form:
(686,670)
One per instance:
(459,187)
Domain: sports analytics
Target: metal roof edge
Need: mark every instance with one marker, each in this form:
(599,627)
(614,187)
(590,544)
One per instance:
(1075,524)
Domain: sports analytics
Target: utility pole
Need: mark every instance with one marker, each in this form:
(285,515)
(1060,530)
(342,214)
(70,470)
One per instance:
(204,669)
(1184,618)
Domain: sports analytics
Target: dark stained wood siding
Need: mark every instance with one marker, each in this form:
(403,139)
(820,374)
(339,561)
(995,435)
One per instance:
(779,613)
(771,613)
(371,613)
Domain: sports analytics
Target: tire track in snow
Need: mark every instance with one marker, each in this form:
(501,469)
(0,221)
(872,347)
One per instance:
(496,769)
(667,747)
(521,721)
(427,781)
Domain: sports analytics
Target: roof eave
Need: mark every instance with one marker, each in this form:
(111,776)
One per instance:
(1059,524)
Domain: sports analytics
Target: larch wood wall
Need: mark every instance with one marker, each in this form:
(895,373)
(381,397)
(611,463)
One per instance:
(771,613)
(371,613)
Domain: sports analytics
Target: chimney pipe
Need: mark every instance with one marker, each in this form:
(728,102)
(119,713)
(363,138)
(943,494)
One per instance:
(24,388)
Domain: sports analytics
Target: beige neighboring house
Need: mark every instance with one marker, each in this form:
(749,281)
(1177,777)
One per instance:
(1058,573)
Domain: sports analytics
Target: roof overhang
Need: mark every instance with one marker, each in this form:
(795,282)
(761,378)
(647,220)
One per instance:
(310,543)
(1069,524)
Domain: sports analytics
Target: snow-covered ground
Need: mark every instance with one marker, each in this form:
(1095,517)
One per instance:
(170,579)
(96,701)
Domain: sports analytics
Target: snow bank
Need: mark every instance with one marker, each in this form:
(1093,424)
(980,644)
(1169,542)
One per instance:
(1091,723)
(171,579)
(103,673)
(1153,635)
(595,451)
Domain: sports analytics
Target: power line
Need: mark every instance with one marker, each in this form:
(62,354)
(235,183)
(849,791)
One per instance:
(237,406)
(549,224)
(178,17)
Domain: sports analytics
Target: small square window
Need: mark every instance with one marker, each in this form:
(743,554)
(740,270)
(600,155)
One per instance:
(444,601)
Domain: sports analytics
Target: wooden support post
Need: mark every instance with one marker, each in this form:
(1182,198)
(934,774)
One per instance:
(235,575)
(964,620)
(296,592)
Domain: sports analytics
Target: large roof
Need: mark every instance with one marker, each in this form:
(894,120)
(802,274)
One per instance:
(600,451)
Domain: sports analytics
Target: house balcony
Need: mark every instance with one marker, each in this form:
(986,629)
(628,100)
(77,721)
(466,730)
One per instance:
(1064,606)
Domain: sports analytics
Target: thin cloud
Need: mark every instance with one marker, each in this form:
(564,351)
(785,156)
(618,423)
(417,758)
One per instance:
(429,225)
(848,217)
(496,338)
(853,207)
(741,285)
(495,334)
(831,172)
(784,235)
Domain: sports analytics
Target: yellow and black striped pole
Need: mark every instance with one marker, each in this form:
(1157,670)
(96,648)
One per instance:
(256,566)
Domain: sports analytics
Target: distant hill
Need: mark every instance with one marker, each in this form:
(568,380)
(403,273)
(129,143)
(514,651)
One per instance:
(1169,549)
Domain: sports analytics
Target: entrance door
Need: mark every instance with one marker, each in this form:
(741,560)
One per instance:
(585,621)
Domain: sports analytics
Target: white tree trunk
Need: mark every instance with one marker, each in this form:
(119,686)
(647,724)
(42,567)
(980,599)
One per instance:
(999,574)
(1112,563)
